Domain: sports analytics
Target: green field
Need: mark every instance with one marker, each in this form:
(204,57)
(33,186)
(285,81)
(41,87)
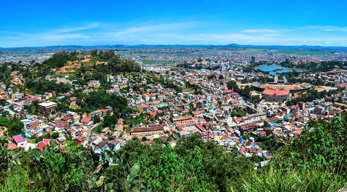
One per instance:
(303,52)
(239,50)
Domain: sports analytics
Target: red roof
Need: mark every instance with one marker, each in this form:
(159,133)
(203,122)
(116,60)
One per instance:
(43,143)
(276,92)
(86,120)
(66,118)
(12,146)
(200,127)
(46,141)
(210,135)
(80,138)
(192,123)
(104,110)
(262,132)
(179,128)
(342,85)
(59,125)
(18,138)
(238,119)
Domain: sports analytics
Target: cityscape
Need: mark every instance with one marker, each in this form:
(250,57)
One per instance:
(108,106)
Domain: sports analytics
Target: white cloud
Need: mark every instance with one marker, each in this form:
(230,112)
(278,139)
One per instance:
(259,31)
(327,28)
(170,33)
(66,30)
(153,28)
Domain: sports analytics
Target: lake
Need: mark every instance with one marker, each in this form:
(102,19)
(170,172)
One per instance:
(272,69)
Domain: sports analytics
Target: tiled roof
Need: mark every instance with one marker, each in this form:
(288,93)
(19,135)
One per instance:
(18,138)
(86,120)
(275,92)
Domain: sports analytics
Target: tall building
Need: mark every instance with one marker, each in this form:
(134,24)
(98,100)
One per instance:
(252,59)
(47,108)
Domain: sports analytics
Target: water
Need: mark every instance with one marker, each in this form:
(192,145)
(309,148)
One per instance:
(274,67)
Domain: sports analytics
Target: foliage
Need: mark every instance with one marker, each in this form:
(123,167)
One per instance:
(58,60)
(14,126)
(320,149)
(96,119)
(238,112)
(294,180)
(245,92)
(313,162)
(309,96)
(41,86)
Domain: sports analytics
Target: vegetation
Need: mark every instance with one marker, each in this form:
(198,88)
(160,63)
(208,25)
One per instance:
(313,162)
(315,67)
(14,126)
(238,112)
(310,95)
(245,92)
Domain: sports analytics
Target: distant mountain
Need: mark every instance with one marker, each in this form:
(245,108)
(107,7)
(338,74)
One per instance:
(233,45)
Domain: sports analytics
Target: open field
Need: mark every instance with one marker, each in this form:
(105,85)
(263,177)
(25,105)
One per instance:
(303,52)
(290,87)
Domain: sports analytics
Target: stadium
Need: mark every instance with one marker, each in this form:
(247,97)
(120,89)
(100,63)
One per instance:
(293,88)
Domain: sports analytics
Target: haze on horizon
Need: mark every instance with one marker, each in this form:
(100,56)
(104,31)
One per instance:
(46,23)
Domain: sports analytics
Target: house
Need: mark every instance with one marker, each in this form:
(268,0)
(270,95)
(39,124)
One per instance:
(17,107)
(47,108)
(87,121)
(12,146)
(20,140)
(43,143)
(114,145)
(94,113)
(66,118)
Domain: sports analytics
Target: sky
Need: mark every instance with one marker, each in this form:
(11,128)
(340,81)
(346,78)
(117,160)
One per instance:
(27,23)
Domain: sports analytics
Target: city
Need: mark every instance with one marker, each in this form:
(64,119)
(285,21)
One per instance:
(178,106)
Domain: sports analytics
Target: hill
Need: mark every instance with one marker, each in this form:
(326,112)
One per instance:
(315,162)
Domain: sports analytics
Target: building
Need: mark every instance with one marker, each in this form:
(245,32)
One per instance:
(271,95)
(252,59)
(20,140)
(302,105)
(47,108)
(87,121)
(148,131)
(183,119)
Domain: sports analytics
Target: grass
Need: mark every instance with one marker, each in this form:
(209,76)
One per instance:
(303,52)
(98,128)
(294,180)
(16,180)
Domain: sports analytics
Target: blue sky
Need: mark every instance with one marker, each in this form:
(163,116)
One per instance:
(220,22)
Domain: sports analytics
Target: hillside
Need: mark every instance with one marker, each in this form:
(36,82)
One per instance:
(192,165)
